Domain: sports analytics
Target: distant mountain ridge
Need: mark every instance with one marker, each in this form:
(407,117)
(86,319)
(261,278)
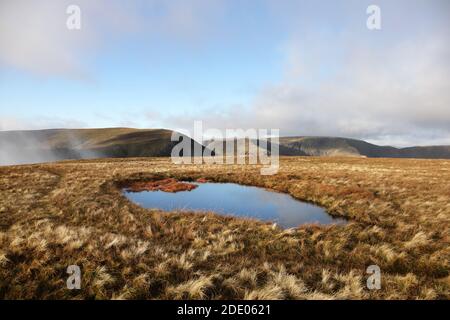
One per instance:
(58,144)
(336,146)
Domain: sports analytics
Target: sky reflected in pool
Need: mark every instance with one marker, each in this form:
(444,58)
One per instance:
(237,200)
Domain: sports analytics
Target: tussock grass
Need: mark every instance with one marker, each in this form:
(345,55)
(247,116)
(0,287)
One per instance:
(73,212)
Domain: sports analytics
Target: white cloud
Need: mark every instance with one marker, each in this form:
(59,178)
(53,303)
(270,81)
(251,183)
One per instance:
(397,96)
(34,36)
(391,87)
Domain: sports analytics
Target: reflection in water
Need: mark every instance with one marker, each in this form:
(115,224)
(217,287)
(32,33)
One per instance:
(237,200)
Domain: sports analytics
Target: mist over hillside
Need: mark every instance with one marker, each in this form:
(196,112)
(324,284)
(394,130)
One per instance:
(20,147)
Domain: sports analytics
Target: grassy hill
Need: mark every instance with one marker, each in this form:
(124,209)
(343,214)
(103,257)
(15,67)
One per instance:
(335,146)
(54,215)
(252,146)
(57,144)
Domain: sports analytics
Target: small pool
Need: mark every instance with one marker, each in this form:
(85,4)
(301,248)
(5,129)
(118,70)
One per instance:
(237,200)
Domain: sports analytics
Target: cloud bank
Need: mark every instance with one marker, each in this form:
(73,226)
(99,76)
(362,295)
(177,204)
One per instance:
(390,86)
(34,37)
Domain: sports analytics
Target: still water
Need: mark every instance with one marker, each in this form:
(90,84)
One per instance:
(237,200)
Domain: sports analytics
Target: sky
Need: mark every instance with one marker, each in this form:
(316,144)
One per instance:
(304,67)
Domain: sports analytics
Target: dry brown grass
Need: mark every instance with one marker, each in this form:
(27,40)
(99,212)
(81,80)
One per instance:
(56,215)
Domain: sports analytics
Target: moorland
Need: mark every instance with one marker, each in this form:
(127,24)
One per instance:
(73,212)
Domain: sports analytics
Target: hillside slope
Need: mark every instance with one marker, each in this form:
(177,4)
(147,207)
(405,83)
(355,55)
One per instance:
(335,146)
(34,146)
(252,146)
(58,144)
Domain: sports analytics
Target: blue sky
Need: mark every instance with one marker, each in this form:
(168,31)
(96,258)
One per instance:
(305,67)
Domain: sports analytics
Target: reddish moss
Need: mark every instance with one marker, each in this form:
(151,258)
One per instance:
(166,185)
